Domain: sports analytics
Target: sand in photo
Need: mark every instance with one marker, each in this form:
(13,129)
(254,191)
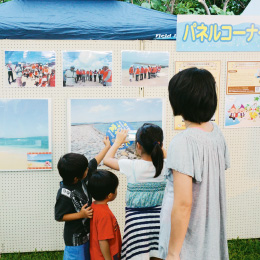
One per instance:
(136,63)
(87,140)
(9,159)
(87,84)
(24,129)
(91,119)
(160,80)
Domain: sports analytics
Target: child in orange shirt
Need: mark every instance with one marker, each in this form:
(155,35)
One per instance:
(105,238)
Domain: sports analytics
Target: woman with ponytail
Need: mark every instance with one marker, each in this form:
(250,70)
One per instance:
(145,189)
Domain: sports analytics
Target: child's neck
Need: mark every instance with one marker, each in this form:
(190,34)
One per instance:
(146,157)
(101,202)
(207,126)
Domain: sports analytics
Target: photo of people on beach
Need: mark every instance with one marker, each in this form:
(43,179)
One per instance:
(87,69)
(145,68)
(242,111)
(91,118)
(30,69)
(25,135)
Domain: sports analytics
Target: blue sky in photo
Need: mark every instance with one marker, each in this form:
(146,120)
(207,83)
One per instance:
(22,118)
(111,110)
(34,157)
(30,56)
(88,60)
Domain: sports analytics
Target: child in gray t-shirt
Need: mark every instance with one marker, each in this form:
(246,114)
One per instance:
(193,216)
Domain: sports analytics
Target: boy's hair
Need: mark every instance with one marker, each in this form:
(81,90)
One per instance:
(192,94)
(150,137)
(101,184)
(72,165)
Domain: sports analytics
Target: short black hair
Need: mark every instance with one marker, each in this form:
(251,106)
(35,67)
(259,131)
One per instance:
(72,165)
(192,94)
(101,184)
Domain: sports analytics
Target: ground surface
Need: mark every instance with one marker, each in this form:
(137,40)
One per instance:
(238,250)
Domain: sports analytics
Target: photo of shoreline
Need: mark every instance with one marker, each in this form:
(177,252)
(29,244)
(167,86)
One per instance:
(144,68)
(87,133)
(25,130)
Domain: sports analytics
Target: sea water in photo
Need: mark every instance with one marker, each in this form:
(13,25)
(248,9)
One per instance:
(25,129)
(91,118)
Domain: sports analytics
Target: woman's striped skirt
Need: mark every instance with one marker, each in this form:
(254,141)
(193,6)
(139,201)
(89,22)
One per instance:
(141,234)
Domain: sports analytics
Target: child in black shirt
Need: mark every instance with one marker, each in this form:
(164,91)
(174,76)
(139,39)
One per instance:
(73,201)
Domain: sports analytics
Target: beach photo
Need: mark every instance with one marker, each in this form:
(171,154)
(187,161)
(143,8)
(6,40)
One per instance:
(30,69)
(91,119)
(87,69)
(242,111)
(25,134)
(145,68)
(42,160)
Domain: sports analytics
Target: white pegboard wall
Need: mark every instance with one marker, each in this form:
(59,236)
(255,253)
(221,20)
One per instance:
(27,198)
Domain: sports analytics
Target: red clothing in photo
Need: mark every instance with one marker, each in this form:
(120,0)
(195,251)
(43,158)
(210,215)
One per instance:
(52,80)
(104,226)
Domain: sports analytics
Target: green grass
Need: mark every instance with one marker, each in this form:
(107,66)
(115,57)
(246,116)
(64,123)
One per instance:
(33,256)
(239,249)
(242,249)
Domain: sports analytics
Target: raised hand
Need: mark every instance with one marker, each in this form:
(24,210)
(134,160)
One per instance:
(121,136)
(106,141)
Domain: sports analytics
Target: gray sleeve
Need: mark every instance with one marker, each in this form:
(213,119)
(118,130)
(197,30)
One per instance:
(183,156)
(227,160)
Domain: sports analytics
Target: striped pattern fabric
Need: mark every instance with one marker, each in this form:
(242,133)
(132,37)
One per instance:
(141,234)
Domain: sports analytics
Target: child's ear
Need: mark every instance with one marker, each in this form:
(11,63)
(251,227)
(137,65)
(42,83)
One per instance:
(138,146)
(110,196)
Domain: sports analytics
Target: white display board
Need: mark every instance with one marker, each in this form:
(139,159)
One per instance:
(27,199)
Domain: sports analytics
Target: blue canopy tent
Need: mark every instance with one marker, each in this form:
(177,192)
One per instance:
(252,8)
(83,20)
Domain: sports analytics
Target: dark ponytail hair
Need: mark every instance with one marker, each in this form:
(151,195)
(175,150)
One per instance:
(150,137)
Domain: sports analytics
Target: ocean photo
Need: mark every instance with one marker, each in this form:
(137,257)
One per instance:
(91,118)
(25,129)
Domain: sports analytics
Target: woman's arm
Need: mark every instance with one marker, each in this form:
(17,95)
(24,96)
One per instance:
(109,159)
(181,211)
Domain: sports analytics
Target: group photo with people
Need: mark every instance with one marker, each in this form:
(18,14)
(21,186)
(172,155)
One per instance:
(30,69)
(143,68)
(87,69)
